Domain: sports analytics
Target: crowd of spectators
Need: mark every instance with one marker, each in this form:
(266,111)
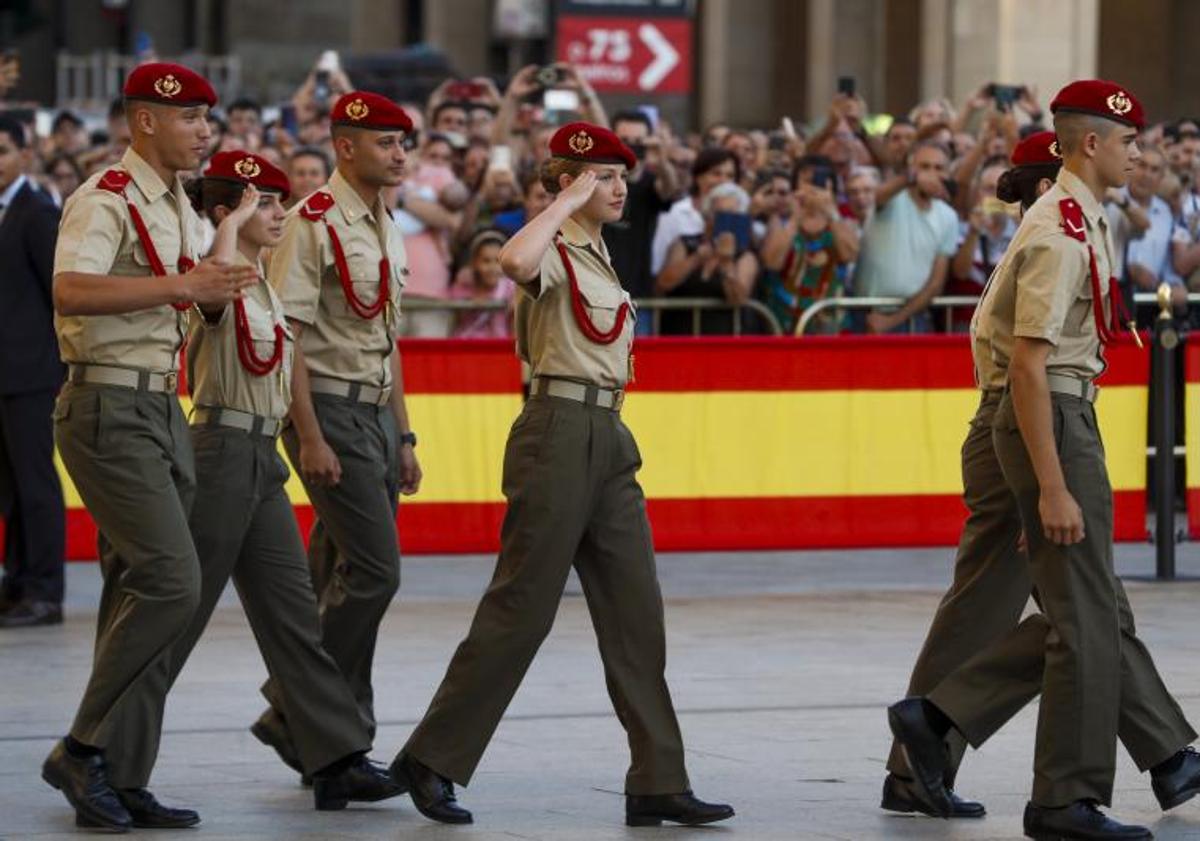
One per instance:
(785,216)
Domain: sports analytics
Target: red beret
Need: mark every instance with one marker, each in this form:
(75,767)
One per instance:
(592,143)
(363,109)
(248,168)
(1100,99)
(1037,149)
(169,84)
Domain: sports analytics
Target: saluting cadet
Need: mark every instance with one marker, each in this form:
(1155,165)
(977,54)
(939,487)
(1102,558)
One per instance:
(339,270)
(239,372)
(1050,309)
(573,500)
(123,283)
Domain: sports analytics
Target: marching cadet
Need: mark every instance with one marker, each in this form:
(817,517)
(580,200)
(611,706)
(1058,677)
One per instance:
(339,270)
(239,372)
(124,275)
(1050,308)
(573,500)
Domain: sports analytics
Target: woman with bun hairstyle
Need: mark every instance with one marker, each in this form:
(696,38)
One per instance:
(573,501)
(239,373)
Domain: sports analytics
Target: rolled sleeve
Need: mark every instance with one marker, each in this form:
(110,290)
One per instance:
(89,237)
(295,271)
(1049,278)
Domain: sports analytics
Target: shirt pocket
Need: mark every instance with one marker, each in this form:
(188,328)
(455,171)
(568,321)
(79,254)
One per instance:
(603,302)
(261,325)
(363,266)
(1081,312)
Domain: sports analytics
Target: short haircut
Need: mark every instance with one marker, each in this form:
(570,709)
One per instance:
(766,176)
(1072,127)
(244,104)
(865,172)
(710,158)
(900,122)
(116,109)
(54,161)
(64,117)
(632,115)
(14,130)
(313,152)
(446,106)
(929,144)
(723,191)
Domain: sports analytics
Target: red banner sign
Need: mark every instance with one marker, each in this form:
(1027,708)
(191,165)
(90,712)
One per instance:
(629,55)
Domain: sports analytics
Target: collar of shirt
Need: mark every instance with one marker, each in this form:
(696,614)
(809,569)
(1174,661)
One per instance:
(351,203)
(574,235)
(144,176)
(1093,211)
(6,198)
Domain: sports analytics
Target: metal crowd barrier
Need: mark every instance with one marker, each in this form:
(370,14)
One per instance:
(655,306)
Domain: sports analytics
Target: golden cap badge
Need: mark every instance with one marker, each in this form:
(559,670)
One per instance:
(247,168)
(1054,149)
(1119,103)
(581,143)
(357,110)
(167,86)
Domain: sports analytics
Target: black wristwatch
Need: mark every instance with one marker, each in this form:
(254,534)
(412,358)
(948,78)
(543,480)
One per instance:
(409,438)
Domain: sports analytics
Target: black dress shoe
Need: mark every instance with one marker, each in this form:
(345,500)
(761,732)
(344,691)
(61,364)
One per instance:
(925,751)
(1180,784)
(1081,821)
(28,614)
(898,796)
(274,737)
(431,793)
(363,781)
(83,782)
(148,813)
(686,809)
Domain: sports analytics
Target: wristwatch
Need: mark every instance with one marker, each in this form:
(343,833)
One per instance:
(409,438)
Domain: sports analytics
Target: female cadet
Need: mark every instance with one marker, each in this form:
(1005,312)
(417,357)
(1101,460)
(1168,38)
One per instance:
(573,500)
(239,370)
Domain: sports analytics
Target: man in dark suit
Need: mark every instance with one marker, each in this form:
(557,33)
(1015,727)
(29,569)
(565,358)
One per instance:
(31,498)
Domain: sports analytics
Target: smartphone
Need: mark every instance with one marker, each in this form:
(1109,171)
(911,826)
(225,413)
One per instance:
(287,119)
(321,90)
(1005,96)
(823,177)
(846,85)
(549,76)
(500,158)
(560,99)
(789,128)
(736,223)
(651,112)
(464,91)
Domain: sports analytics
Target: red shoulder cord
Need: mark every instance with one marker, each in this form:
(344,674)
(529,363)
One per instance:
(314,210)
(1119,320)
(582,319)
(115,181)
(245,344)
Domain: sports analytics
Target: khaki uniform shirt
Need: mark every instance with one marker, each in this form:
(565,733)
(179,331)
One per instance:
(96,236)
(215,372)
(548,337)
(1042,287)
(336,341)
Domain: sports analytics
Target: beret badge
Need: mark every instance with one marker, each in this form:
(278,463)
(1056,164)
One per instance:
(1119,103)
(247,168)
(357,110)
(1054,149)
(581,143)
(168,86)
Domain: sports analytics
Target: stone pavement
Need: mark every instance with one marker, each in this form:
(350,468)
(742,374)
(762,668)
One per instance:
(781,665)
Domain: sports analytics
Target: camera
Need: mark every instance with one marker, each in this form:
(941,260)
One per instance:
(1005,96)
(549,76)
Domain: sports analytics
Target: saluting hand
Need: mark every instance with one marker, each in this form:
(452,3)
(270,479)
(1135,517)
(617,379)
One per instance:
(211,282)
(580,191)
(319,464)
(1062,518)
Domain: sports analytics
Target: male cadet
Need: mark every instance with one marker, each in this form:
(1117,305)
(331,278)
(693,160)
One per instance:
(123,280)
(1050,309)
(339,271)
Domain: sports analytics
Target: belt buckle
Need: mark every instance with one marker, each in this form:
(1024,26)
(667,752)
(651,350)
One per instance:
(171,381)
(618,400)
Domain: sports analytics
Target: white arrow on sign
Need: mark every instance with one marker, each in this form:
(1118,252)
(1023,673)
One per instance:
(665,57)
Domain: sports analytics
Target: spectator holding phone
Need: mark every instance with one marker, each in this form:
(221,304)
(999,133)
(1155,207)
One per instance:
(807,258)
(718,263)
(653,186)
(685,218)
(906,250)
(984,238)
